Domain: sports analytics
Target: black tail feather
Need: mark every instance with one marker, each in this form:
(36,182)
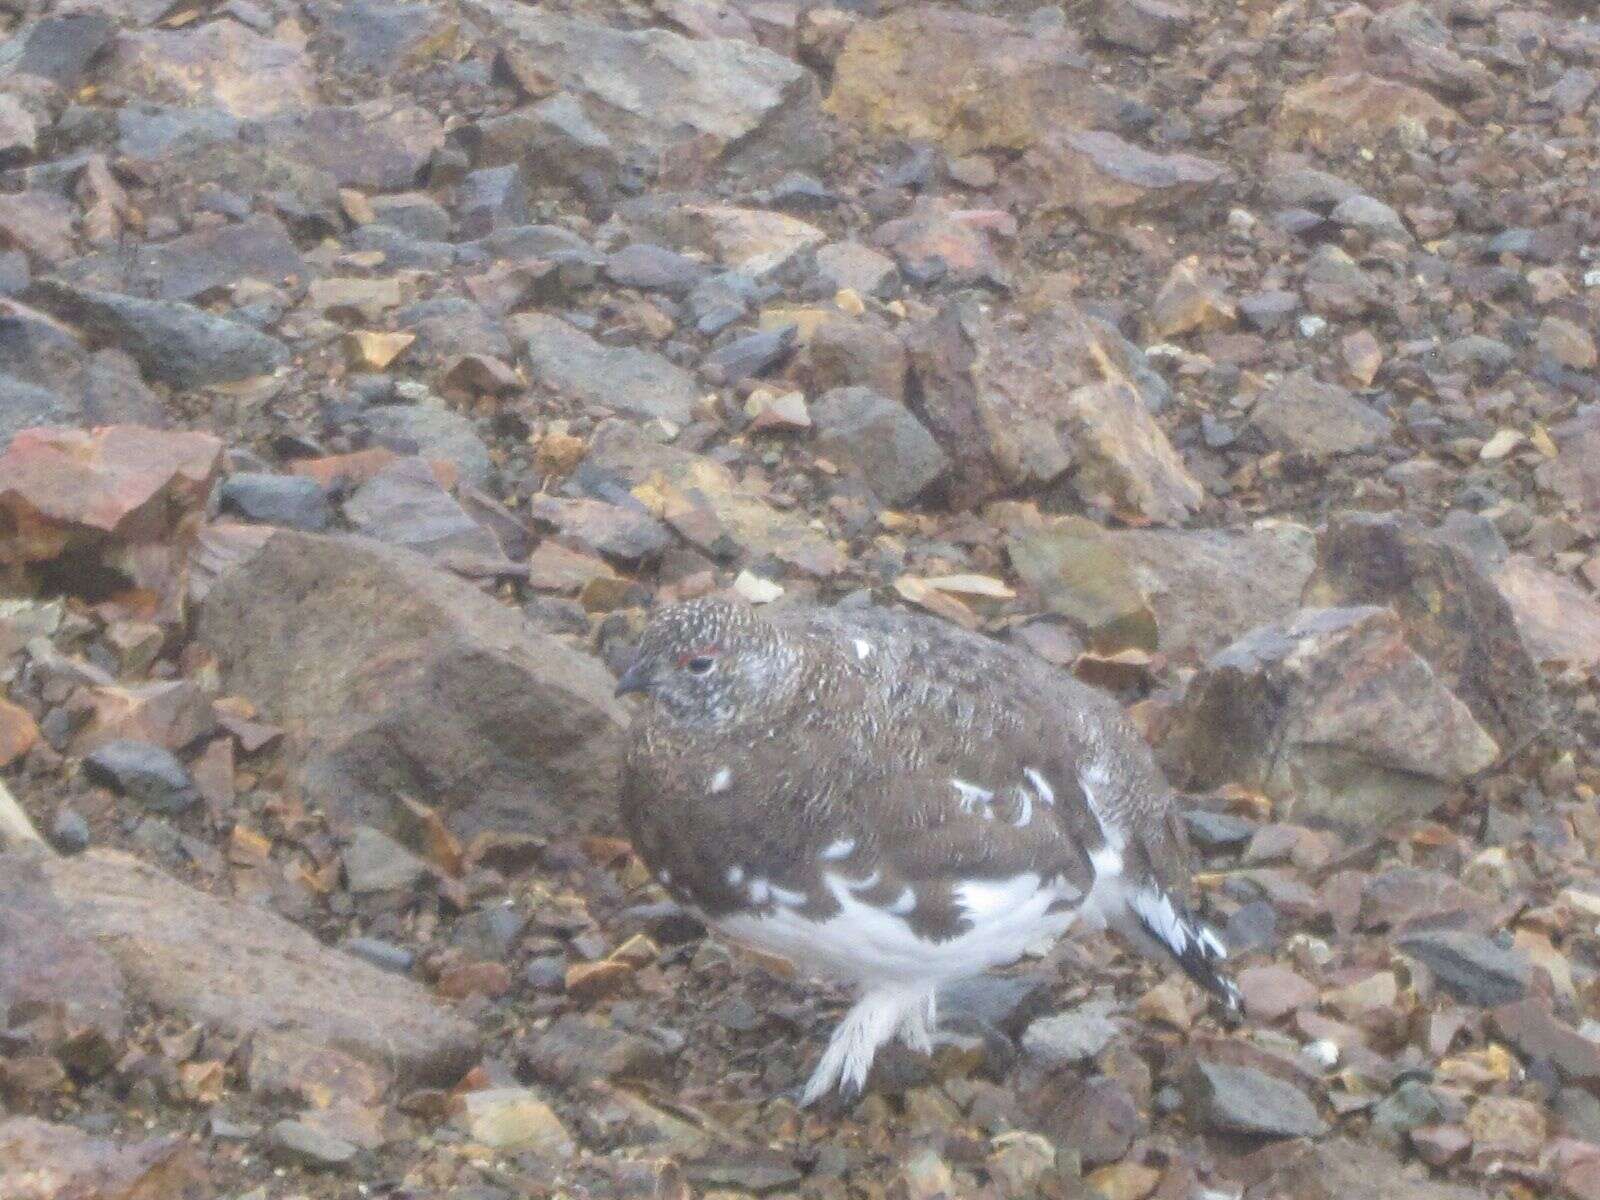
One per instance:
(1191,943)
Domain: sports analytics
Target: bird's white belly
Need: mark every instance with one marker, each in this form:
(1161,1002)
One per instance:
(871,945)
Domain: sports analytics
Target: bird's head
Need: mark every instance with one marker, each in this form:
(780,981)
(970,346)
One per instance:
(711,662)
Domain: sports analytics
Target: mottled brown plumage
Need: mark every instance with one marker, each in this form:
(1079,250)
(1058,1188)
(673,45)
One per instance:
(894,800)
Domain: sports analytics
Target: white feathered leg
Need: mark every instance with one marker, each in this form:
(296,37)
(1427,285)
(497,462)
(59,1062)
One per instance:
(871,1021)
(917,1026)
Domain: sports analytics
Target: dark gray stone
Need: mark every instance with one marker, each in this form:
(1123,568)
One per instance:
(300,1143)
(386,956)
(293,501)
(143,771)
(1473,968)
(751,355)
(571,363)
(1233,1099)
(894,453)
(654,268)
(432,431)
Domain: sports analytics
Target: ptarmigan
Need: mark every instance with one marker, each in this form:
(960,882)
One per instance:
(892,801)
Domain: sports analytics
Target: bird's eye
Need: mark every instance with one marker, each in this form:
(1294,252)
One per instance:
(700,664)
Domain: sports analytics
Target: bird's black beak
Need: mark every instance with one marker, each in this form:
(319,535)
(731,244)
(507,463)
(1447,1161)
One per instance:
(635,679)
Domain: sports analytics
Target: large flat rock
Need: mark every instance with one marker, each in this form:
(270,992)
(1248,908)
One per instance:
(395,678)
(236,967)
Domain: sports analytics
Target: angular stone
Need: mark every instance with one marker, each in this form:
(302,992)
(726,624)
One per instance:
(1234,1099)
(406,680)
(1473,968)
(756,242)
(434,432)
(1453,616)
(1317,420)
(1076,571)
(965,81)
(940,243)
(1148,26)
(220,63)
(378,146)
(1359,107)
(660,95)
(59,49)
(303,1143)
(173,342)
(706,504)
(293,501)
(403,505)
(1274,991)
(1099,1121)
(894,453)
(1559,621)
(516,1119)
(1071,1037)
(1507,1126)
(1124,456)
(41,1161)
(186,267)
(236,966)
(375,862)
(575,1049)
(627,534)
(1540,1036)
(1333,715)
(992,393)
(171,714)
(1105,180)
(147,773)
(573,364)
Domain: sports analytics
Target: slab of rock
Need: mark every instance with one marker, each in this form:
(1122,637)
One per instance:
(1540,1036)
(1453,615)
(237,967)
(222,64)
(1574,474)
(966,81)
(149,774)
(1472,967)
(1105,180)
(404,505)
(753,241)
(570,362)
(1148,26)
(1342,1169)
(401,679)
(626,533)
(183,268)
(515,1119)
(1071,1037)
(60,48)
(61,991)
(1317,420)
(379,146)
(659,95)
(173,342)
(432,431)
(1244,1100)
(1332,714)
(893,451)
(43,1161)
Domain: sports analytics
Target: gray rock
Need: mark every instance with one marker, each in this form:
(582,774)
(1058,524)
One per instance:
(575,1049)
(194,264)
(492,198)
(1410,1106)
(148,773)
(655,269)
(386,956)
(751,355)
(558,142)
(378,35)
(1217,831)
(1335,286)
(864,270)
(404,505)
(1148,26)
(1331,713)
(1318,420)
(1269,310)
(300,1143)
(406,680)
(1372,217)
(1071,1037)
(432,431)
(652,92)
(173,342)
(624,532)
(1004,1002)
(416,214)
(57,48)
(1473,968)
(292,501)
(375,862)
(24,405)
(893,452)
(570,362)
(69,832)
(1231,1099)
(378,146)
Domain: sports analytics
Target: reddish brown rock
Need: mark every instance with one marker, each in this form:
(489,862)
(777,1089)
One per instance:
(1338,109)
(18,732)
(1105,180)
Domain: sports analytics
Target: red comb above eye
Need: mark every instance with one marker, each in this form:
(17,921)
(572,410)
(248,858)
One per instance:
(702,652)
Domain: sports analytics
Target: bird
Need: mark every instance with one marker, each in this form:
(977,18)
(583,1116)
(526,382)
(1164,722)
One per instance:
(897,803)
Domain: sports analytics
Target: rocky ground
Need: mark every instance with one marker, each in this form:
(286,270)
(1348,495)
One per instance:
(369,367)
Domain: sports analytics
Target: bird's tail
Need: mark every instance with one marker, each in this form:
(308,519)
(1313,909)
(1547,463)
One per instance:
(1193,945)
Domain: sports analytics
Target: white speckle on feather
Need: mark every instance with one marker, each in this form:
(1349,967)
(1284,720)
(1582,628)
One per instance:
(664,877)
(787,896)
(735,876)
(721,780)
(905,903)
(861,885)
(834,851)
(760,891)
(971,794)
(1026,814)
(863,647)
